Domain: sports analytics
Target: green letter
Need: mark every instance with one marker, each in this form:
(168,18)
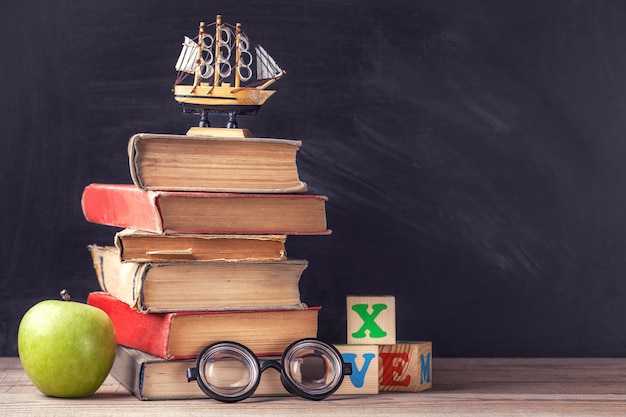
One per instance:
(368,320)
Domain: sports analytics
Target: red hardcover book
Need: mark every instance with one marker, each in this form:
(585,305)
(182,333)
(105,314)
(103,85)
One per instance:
(124,205)
(182,335)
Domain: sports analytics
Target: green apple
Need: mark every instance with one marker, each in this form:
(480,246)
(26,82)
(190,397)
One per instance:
(66,348)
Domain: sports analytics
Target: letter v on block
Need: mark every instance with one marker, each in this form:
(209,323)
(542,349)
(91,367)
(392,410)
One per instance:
(365,369)
(371,319)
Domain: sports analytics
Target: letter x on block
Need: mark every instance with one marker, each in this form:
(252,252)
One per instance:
(371,320)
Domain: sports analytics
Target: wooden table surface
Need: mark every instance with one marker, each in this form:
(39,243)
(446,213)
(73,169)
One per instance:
(461,387)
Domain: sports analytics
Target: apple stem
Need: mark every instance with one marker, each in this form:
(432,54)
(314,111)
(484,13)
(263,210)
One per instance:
(65,295)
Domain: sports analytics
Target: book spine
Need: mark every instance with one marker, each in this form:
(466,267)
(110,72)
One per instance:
(146,332)
(132,161)
(123,280)
(128,371)
(121,205)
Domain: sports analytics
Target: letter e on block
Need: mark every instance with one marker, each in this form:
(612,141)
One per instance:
(405,366)
(371,320)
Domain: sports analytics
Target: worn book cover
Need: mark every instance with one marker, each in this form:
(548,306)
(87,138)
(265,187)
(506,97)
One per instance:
(126,206)
(196,286)
(182,335)
(217,164)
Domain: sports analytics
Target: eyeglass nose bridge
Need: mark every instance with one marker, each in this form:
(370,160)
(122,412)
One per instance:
(267,364)
(271,363)
(278,366)
(290,385)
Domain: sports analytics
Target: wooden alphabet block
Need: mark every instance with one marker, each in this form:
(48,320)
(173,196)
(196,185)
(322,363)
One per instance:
(405,366)
(364,378)
(371,320)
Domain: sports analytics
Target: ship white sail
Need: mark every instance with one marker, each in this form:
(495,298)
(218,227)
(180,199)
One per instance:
(187,58)
(266,66)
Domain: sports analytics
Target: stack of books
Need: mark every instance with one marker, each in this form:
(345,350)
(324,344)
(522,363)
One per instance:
(200,254)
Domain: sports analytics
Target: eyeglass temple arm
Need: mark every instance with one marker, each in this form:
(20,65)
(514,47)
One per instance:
(192,374)
(347,368)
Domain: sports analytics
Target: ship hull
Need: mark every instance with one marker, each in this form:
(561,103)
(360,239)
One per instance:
(222,99)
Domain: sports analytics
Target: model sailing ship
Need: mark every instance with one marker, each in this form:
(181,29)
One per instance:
(230,73)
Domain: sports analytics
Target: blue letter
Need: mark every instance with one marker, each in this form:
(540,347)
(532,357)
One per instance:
(358,375)
(425,365)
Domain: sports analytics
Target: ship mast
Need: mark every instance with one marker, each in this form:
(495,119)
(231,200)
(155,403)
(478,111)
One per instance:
(238,55)
(218,38)
(197,77)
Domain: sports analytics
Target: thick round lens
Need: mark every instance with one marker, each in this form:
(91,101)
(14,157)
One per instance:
(229,371)
(314,367)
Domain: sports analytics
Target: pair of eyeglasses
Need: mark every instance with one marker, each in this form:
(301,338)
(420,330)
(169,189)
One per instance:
(231,372)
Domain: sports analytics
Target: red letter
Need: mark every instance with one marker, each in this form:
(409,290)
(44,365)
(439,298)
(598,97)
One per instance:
(393,367)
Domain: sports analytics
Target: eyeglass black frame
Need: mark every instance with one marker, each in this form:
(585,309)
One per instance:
(258,368)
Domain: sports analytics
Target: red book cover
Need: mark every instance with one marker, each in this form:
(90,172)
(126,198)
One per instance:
(122,205)
(126,206)
(182,335)
(146,332)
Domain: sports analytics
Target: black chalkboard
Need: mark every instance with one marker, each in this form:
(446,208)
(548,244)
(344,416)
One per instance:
(472,152)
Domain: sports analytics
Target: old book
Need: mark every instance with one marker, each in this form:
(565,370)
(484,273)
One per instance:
(149,377)
(182,335)
(141,246)
(195,286)
(126,206)
(224,164)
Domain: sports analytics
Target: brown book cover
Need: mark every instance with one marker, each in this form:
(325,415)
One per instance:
(216,164)
(196,286)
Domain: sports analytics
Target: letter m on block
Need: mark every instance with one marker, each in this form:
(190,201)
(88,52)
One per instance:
(371,320)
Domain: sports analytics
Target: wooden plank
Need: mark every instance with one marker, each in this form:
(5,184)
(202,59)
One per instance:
(219,132)
(466,387)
